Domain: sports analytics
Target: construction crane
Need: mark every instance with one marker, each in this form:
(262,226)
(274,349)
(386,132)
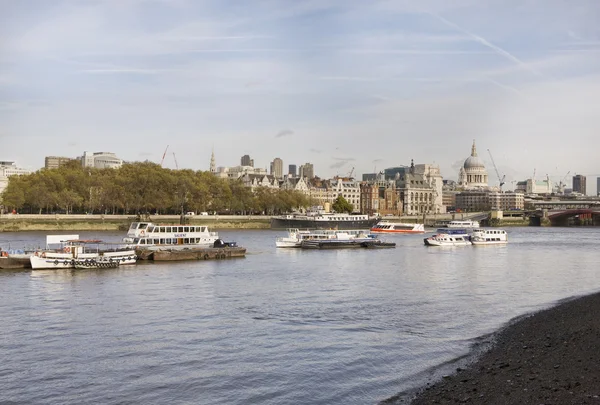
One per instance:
(351,172)
(164,154)
(175,159)
(562,184)
(500,179)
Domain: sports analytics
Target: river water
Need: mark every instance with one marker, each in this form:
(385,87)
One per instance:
(277,327)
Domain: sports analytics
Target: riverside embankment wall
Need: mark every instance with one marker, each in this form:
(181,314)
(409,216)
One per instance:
(32,222)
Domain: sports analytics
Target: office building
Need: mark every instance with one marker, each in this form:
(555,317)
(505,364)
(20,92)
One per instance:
(307,170)
(579,185)
(100,160)
(277,168)
(292,170)
(54,162)
(246,161)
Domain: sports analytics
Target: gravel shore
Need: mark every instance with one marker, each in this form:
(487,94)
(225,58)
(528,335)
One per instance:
(550,357)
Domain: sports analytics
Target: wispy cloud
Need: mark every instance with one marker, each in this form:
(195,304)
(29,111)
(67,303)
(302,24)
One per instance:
(285,132)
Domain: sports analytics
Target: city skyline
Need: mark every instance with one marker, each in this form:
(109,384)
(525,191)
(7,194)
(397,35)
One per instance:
(340,84)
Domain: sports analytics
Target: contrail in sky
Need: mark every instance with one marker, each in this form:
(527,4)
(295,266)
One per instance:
(487,43)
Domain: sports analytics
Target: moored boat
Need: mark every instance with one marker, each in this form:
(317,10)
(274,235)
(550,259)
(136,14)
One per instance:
(149,236)
(346,244)
(295,237)
(483,236)
(65,251)
(397,227)
(447,239)
(468,224)
(319,219)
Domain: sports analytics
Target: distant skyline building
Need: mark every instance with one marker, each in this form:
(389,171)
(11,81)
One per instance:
(54,162)
(579,185)
(307,170)
(292,170)
(246,161)
(598,186)
(100,160)
(277,168)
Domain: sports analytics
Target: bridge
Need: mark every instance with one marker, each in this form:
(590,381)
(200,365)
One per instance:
(568,212)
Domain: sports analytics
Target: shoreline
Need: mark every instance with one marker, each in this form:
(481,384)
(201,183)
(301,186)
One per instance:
(545,357)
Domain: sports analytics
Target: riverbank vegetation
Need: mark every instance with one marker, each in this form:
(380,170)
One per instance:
(141,187)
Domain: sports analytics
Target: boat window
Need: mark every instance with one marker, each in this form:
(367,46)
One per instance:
(203,229)
(150,229)
(192,229)
(134,225)
(136,241)
(143,242)
(143,226)
(155,241)
(162,241)
(186,241)
(186,229)
(180,229)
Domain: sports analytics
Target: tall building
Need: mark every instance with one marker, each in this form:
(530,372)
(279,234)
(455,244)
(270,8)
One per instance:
(54,162)
(598,186)
(307,170)
(277,168)
(579,184)
(100,160)
(246,161)
(292,170)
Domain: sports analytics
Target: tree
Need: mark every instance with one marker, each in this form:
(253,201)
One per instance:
(342,205)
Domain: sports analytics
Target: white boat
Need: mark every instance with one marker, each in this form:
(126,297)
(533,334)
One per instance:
(445,239)
(318,218)
(150,236)
(463,224)
(295,237)
(489,237)
(68,252)
(397,227)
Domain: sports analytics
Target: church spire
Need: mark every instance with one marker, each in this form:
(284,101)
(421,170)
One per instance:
(473,149)
(213,166)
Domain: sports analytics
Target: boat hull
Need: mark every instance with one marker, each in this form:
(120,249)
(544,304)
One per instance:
(484,243)
(286,223)
(429,242)
(212,253)
(375,230)
(346,244)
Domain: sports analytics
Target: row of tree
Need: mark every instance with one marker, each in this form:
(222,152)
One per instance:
(138,188)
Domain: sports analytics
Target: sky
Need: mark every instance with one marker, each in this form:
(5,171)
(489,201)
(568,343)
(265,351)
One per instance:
(348,85)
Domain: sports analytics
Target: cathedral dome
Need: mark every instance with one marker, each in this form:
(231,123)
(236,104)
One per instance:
(473,162)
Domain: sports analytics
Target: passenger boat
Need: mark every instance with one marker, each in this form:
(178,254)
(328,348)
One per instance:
(463,224)
(319,219)
(489,237)
(397,227)
(150,236)
(295,237)
(75,253)
(447,239)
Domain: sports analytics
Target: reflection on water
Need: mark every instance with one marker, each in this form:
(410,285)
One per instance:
(282,326)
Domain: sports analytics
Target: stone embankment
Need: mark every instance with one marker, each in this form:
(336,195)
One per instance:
(31,222)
